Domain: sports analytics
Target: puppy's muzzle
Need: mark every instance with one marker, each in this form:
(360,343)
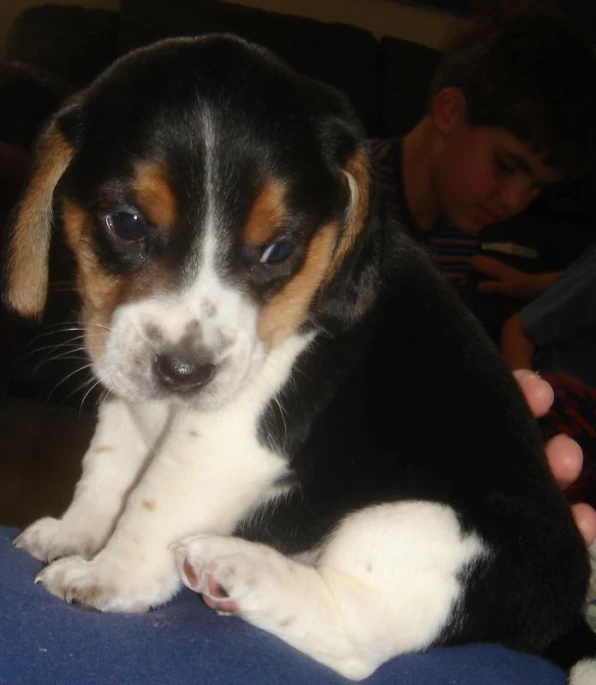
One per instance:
(182,372)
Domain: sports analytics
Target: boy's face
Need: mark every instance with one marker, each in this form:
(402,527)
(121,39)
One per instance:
(482,175)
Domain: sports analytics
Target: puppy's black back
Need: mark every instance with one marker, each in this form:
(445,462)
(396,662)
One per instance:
(426,410)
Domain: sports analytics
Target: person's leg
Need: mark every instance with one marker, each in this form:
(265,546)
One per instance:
(44,641)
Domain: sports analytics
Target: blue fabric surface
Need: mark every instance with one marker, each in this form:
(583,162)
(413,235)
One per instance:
(562,322)
(46,642)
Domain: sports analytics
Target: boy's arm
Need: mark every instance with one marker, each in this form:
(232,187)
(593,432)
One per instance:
(506,280)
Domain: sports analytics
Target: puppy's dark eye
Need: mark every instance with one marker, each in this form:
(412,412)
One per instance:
(277,251)
(127,225)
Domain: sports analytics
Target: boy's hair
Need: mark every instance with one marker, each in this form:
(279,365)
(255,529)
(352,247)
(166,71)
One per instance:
(533,74)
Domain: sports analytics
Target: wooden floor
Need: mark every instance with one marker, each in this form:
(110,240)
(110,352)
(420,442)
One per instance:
(41,447)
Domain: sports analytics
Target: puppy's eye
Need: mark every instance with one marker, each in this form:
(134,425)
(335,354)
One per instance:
(127,225)
(277,251)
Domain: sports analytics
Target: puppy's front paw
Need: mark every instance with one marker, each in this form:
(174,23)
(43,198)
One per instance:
(226,571)
(50,538)
(110,585)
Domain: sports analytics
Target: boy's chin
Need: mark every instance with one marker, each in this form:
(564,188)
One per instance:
(470,225)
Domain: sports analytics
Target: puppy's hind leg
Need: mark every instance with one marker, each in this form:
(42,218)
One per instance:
(110,466)
(385,583)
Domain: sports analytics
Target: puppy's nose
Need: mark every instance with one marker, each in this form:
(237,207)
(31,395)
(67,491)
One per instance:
(182,373)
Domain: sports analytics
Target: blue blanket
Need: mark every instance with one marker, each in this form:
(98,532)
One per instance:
(44,641)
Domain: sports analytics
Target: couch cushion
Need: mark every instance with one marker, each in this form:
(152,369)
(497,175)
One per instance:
(407,74)
(341,55)
(30,95)
(73,43)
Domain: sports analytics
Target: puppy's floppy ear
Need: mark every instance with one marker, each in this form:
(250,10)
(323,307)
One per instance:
(353,276)
(357,172)
(342,137)
(26,277)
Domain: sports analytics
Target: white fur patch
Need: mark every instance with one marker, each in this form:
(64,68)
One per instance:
(115,458)
(385,583)
(583,673)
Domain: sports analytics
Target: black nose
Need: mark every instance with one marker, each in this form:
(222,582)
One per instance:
(182,373)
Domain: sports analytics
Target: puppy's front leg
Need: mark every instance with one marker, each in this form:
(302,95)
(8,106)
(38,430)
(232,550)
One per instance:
(111,465)
(198,481)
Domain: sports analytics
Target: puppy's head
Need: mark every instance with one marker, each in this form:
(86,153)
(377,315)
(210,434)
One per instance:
(215,202)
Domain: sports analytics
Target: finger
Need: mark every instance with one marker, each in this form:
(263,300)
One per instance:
(489,266)
(585,520)
(538,393)
(498,287)
(565,459)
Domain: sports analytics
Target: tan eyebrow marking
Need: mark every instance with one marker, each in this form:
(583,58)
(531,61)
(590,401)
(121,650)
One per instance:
(267,214)
(154,196)
(287,310)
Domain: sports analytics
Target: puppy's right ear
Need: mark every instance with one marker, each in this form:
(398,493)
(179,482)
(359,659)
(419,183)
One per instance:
(26,277)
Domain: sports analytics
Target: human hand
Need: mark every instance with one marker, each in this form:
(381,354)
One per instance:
(564,455)
(505,280)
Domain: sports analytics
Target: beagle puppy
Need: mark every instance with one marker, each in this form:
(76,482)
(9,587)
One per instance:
(303,423)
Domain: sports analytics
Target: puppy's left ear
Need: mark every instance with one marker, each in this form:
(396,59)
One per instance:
(26,276)
(352,279)
(356,169)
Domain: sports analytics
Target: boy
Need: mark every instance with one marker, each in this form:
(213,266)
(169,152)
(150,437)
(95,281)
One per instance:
(511,111)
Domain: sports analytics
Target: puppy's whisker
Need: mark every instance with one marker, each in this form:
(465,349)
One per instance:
(282,413)
(55,331)
(73,346)
(44,362)
(92,387)
(78,388)
(80,369)
(101,326)
(70,342)
(70,351)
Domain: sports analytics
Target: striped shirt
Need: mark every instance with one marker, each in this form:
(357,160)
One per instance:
(449,248)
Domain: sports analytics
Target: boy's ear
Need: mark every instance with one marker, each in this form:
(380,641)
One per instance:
(27,267)
(448,109)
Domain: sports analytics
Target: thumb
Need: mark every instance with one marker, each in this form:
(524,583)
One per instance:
(489,266)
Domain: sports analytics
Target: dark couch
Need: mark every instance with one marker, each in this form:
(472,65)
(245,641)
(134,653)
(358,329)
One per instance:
(385,79)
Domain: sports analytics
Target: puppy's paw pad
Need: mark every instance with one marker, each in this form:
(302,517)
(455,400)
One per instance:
(223,570)
(217,597)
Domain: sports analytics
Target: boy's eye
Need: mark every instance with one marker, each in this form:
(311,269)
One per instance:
(126,225)
(504,166)
(277,251)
